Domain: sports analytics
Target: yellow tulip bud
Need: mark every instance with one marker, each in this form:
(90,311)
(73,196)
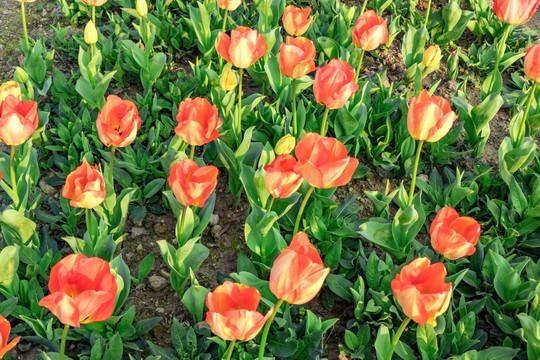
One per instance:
(285,145)
(228,80)
(90,33)
(142,8)
(432,56)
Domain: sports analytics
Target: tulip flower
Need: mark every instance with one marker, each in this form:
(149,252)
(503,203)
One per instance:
(323,163)
(515,12)
(296,59)
(242,49)
(297,276)
(282,179)
(85,187)
(429,119)
(432,56)
(532,70)
(285,145)
(142,7)
(334,84)
(5,329)
(228,80)
(90,34)
(369,33)
(452,235)
(94,2)
(229,5)
(117,125)
(10,88)
(198,122)
(296,21)
(232,313)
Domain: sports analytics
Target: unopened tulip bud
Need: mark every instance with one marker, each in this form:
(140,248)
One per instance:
(21,76)
(228,80)
(432,56)
(285,145)
(452,65)
(142,8)
(90,33)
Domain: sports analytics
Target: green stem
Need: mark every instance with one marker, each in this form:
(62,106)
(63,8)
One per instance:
(325,118)
(230,350)
(359,64)
(225,20)
(143,30)
(262,347)
(522,125)
(396,337)
(427,13)
(89,226)
(182,221)
(238,126)
(415,169)
(111,164)
(299,216)
(94,14)
(295,122)
(192,152)
(270,203)
(363,8)
(500,53)
(63,342)
(12,169)
(23,14)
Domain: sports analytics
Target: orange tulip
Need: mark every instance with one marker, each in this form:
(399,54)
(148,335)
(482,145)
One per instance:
(370,31)
(85,187)
(323,161)
(18,120)
(429,117)
(296,21)
(282,179)
(198,121)
(421,291)
(10,88)
(232,312)
(190,184)
(229,4)
(296,57)
(298,272)
(515,12)
(5,329)
(83,290)
(532,63)
(243,48)
(334,84)
(94,2)
(454,236)
(118,122)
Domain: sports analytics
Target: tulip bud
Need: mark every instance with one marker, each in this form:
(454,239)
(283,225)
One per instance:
(452,65)
(432,56)
(285,145)
(90,33)
(142,8)
(228,80)
(21,76)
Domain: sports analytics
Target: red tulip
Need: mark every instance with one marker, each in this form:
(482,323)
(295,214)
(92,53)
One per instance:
(515,12)
(296,21)
(323,161)
(229,4)
(454,236)
(18,120)
(232,312)
(296,57)
(198,121)
(334,84)
(282,179)
(118,122)
(243,48)
(10,88)
(83,290)
(5,329)
(532,63)
(298,272)
(190,184)
(429,117)
(370,31)
(85,187)
(421,291)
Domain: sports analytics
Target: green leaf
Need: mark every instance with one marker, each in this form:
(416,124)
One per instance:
(145,266)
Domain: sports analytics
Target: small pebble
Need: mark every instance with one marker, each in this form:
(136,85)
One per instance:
(140,249)
(157,283)
(214,219)
(216,231)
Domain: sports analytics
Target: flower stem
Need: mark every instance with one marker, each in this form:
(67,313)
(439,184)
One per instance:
(25,30)
(12,169)
(230,350)
(500,53)
(299,216)
(397,336)
(63,342)
(295,123)
(89,226)
(192,152)
(225,20)
(427,13)
(415,169)
(359,65)
(111,164)
(363,8)
(237,128)
(94,14)
(182,221)
(262,347)
(323,125)
(270,203)
(522,125)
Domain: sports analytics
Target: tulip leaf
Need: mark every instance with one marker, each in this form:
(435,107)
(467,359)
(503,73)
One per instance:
(382,343)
